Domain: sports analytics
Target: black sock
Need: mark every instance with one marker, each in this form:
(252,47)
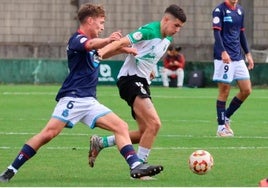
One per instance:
(234,105)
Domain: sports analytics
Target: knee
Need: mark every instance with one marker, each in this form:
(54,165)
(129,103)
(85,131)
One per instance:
(246,92)
(47,135)
(122,127)
(154,127)
(223,95)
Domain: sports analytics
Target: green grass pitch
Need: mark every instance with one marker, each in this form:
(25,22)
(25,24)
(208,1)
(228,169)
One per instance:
(188,123)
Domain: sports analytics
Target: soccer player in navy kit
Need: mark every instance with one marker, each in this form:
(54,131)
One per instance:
(229,64)
(77,97)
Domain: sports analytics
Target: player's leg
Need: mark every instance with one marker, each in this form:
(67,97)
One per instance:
(29,149)
(149,124)
(54,126)
(119,128)
(97,143)
(244,92)
(223,75)
(236,102)
(223,130)
(244,84)
(130,89)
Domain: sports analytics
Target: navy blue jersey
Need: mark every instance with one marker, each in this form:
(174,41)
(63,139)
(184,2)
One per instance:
(83,69)
(230,22)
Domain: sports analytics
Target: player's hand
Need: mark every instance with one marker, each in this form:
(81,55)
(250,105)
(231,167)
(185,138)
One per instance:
(250,61)
(115,36)
(152,75)
(129,50)
(225,57)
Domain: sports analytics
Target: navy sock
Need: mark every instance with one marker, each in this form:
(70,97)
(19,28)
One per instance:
(234,105)
(220,105)
(26,153)
(129,154)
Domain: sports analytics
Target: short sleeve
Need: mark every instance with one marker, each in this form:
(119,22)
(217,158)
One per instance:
(139,35)
(78,43)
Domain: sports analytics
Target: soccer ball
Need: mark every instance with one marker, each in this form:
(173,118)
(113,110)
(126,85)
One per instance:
(200,162)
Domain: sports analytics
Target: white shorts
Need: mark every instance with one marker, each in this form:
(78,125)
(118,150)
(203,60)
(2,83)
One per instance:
(226,73)
(73,110)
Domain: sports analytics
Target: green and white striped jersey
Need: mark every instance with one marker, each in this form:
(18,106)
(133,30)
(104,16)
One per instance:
(151,46)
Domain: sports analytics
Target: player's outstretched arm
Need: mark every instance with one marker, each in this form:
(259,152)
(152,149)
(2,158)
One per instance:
(116,47)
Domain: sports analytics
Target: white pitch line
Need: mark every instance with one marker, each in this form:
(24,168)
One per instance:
(29,93)
(116,95)
(160,135)
(155,148)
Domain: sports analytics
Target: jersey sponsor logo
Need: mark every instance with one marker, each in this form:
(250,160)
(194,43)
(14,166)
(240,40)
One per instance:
(227,19)
(137,35)
(94,58)
(149,56)
(82,40)
(216,20)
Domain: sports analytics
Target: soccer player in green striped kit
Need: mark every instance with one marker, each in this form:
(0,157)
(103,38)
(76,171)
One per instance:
(149,43)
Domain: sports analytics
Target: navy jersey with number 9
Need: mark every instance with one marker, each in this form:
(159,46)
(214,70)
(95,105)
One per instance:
(230,22)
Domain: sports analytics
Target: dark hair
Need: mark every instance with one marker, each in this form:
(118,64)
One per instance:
(174,47)
(89,10)
(176,11)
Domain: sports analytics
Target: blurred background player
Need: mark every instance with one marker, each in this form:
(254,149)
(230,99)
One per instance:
(229,64)
(151,42)
(77,97)
(174,63)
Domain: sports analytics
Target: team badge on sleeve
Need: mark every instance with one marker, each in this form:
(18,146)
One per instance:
(137,35)
(82,40)
(216,20)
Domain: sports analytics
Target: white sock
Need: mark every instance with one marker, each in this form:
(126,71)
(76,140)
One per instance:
(220,127)
(12,168)
(108,141)
(143,153)
(111,140)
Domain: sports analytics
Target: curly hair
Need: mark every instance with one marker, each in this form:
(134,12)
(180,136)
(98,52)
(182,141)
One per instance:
(89,10)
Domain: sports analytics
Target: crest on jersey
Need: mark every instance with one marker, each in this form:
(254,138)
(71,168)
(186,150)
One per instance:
(83,39)
(137,35)
(216,20)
